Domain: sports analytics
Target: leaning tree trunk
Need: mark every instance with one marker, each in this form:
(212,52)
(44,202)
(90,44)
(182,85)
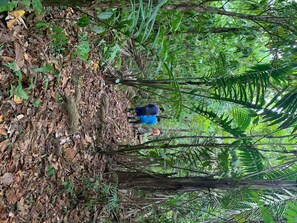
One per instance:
(185,184)
(87,3)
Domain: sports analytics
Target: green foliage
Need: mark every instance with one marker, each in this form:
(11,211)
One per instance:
(83,48)
(58,36)
(223,121)
(37,6)
(251,162)
(18,89)
(291,212)
(68,186)
(51,172)
(83,22)
(7,5)
(241,117)
(282,110)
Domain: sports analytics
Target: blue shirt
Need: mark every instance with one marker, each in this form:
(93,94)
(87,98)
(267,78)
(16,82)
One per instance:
(150,120)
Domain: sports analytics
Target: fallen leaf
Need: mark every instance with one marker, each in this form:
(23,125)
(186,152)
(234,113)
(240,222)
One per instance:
(88,139)
(12,196)
(1,118)
(6,58)
(19,54)
(6,179)
(3,145)
(6,37)
(3,131)
(19,117)
(13,17)
(17,100)
(95,66)
(69,153)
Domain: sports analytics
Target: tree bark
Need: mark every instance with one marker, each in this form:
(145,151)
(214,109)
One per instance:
(214,10)
(186,184)
(86,3)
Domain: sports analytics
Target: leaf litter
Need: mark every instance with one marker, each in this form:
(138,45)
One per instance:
(49,166)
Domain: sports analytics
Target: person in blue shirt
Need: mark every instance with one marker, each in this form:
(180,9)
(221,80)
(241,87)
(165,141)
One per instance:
(145,119)
(150,109)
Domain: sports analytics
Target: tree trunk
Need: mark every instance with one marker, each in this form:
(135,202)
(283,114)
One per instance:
(86,3)
(71,3)
(186,184)
(214,10)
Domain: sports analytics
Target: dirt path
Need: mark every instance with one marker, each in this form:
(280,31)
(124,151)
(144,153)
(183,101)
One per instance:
(49,168)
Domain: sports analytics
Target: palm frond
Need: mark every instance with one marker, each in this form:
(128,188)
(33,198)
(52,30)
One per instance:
(249,87)
(223,121)
(281,110)
(241,117)
(251,161)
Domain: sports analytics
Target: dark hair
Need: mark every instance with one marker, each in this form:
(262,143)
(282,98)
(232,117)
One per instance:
(162,109)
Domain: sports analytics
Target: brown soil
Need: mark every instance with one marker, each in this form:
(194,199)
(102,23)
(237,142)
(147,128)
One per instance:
(49,160)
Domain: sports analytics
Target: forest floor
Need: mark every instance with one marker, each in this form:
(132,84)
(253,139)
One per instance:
(50,168)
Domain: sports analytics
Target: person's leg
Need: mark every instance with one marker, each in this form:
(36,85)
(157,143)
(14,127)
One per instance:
(134,121)
(139,111)
(130,110)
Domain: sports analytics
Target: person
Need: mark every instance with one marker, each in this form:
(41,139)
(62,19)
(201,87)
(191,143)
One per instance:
(144,119)
(144,133)
(145,130)
(148,110)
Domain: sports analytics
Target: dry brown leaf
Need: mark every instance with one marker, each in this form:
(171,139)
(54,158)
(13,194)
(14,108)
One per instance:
(11,196)
(13,17)
(6,58)
(3,213)
(69,153)
(6,37)
(19,54)
(3,131)
(17,100)
(3,145)
(6,179)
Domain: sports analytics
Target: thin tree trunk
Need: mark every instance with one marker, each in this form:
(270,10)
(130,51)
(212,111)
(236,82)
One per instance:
(186,184)
(285,22)
(214,10)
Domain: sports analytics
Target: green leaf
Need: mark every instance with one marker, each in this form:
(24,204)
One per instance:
(83,22)
(51,171)
(21,93)
(98,29)
(41,24)
(46,69)
(36,103)
(83,47)
(37,6)
(8,6)
(26,3)
(105,15)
